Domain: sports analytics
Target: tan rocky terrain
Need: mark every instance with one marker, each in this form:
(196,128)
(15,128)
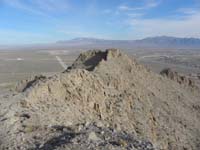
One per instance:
(102,92)
(181,79)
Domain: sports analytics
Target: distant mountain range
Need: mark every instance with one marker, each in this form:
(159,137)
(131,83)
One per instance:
(157,42)
(170,41)
(90,43)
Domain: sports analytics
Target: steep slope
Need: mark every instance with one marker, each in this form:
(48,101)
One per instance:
(110,89)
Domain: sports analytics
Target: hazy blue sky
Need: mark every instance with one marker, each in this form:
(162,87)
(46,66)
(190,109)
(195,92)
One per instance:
(38,21)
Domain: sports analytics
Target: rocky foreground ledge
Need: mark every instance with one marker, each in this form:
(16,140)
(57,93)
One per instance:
(105,100)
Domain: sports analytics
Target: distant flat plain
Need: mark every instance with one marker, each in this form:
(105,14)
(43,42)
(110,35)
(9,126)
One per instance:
(19,65)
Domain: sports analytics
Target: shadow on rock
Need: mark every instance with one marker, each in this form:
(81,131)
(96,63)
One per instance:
(58,141)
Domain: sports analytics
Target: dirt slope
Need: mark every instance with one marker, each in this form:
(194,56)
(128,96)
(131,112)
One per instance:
(110,89)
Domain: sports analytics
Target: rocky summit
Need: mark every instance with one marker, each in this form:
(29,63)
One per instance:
(104,100)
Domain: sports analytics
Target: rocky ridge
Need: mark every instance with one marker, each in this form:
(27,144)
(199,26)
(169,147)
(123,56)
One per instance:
(108,88)
(181,79)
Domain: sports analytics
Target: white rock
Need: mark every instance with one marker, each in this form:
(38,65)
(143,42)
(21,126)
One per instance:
(100,124)
(93,137)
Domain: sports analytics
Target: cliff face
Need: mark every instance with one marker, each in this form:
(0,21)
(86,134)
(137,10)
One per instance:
(110,89)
